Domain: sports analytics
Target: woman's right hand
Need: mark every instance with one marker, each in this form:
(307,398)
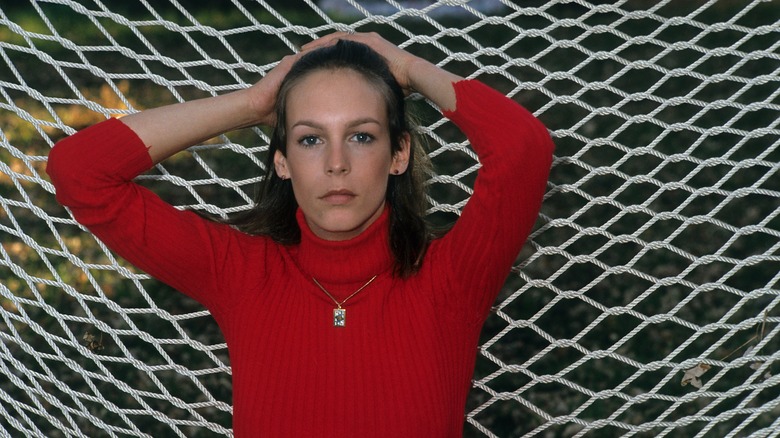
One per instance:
(262,95)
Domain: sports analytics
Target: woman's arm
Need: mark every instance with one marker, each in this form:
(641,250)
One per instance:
(93,172)
(169,129)
(515,150)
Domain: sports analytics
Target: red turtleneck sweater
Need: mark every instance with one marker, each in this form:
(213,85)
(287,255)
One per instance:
(403,363)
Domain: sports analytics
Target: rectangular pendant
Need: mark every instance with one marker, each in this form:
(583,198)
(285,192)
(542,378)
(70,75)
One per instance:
(339,317)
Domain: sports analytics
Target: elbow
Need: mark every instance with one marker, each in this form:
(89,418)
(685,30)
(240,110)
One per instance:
(69,169)
(61,168)
(545,148)
(542,138)
(532,143)
(540,145)
(530,161)
(92,170)
(534,147)
(547,145)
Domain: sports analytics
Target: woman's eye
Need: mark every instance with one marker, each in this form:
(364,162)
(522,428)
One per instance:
(363,137)
(308,140)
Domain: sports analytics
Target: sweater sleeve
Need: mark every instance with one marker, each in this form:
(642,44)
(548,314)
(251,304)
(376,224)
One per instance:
(515,151)
(92,172)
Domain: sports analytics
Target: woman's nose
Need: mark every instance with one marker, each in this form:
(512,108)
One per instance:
(337,160)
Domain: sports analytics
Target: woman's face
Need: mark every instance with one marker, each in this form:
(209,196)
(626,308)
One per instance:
(338,152)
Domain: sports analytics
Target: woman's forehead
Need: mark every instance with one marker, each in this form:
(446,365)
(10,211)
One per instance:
(339,96)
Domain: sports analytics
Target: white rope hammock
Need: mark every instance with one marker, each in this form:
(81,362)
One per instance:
(646,302)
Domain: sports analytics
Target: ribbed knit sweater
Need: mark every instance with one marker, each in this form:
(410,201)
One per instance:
(402,365)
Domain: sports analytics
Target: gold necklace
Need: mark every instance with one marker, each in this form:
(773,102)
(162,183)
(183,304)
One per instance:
(340,313)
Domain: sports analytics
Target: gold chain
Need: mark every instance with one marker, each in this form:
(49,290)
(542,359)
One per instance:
(347,298)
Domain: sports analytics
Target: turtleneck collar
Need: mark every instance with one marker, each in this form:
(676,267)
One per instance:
(345,261)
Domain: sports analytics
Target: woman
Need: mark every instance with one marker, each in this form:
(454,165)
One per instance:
(340,316)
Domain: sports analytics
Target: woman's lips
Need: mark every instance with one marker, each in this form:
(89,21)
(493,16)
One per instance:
(338,197)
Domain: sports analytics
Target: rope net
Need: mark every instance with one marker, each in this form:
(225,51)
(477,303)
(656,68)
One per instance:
(646,301)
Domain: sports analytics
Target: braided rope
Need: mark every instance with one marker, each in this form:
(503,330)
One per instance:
(646,300)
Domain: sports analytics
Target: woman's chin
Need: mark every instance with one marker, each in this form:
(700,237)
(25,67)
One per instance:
(340,225)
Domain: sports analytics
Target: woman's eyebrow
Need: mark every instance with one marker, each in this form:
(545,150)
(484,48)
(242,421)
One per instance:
(353,123)
(363,121)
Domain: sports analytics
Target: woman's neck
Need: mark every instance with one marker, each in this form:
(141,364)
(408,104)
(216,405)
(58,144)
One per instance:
(345,261)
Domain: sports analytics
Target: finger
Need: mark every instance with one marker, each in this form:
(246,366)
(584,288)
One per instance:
(325,41)
(286,62)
